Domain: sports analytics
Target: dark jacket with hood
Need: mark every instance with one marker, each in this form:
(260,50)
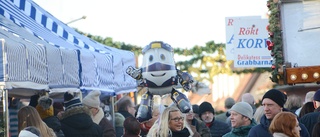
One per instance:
(54,123)
(77,122)
(262,130)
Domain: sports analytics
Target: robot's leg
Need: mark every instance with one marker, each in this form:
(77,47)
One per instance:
(144,111)
(181,100)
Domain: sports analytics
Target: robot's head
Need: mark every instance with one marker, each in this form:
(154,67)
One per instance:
(158,66)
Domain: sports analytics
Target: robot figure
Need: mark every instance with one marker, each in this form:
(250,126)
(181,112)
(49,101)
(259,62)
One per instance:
(159,73)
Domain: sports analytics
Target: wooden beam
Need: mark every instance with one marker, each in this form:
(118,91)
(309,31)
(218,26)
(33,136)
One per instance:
(310,74)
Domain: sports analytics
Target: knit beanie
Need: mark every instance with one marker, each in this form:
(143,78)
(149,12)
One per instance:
(44,107)
(316,96)
(30,131)
(195,108)
(276,96)
(119,119)
(70,100)
(205,106)
(243,108)
(92,99)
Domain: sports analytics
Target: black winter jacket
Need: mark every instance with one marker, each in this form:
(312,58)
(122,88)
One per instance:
(219,128)
(54,123)
(310,119)
(77,122)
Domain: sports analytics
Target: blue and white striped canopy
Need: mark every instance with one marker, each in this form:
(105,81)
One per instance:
(40,52)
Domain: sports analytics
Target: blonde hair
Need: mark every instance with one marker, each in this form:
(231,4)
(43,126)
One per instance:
(258,114)
(161,127)
(284,122)
(28,116)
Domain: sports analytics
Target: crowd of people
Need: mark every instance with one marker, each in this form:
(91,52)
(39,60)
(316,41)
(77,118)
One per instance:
(278,115)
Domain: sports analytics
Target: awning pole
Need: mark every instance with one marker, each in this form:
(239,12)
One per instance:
(5,111)
(112,112)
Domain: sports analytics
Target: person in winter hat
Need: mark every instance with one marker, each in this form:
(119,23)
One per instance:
(92,101)
(241,116)
(207,115)
(45,110)
(30,131)
(44,107)
(76,120)
(273,102)
(119,119)
(71,100)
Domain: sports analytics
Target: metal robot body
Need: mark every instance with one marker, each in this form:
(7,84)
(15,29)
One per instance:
(158,72)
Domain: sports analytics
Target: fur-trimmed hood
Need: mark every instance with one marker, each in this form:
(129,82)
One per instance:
(75,110)
(77,122)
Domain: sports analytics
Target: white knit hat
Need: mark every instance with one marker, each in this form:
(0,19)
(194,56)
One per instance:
(243,108)
(92,99)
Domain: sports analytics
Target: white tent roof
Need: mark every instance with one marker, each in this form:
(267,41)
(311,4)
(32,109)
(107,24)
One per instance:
(40,52)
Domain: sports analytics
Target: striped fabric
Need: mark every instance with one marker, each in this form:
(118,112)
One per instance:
(128,81)
(16,62)
(105,71)
(88,69)
(62,49)
(70,67)
(37,64)
(13,120)
(55,67)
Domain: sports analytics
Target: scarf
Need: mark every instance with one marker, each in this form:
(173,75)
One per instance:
(183,133)
(97,118)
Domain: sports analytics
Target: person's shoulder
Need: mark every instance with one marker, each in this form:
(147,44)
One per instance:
(219,122)
(229,134)
(254,131)
(310,115)
(220,125)
(256,128)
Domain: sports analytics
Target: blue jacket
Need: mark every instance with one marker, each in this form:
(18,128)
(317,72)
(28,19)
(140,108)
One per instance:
(262,130)
(219,128)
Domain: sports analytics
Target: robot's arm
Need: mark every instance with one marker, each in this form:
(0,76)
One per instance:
(185,79)
(134,73)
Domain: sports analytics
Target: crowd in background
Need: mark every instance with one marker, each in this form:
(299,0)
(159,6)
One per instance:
(276,115)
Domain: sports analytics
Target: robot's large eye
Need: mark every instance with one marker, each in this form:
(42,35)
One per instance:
(162,57)
(150,58)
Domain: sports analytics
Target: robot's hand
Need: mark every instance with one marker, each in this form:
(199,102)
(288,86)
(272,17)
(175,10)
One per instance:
(144,111)
(185,80)
(134,73)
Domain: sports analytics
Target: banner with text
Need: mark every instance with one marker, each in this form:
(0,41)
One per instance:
(230,22)
(250,44)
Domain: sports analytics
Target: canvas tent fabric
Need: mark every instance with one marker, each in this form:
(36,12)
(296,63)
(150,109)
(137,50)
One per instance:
(55,56)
